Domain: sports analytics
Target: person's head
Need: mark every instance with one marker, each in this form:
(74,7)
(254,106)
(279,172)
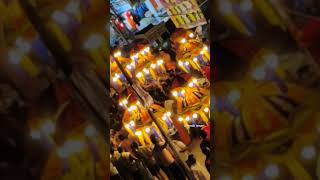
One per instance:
(134,145)
(154,139)
(120,150)
(203,134)
(121,137)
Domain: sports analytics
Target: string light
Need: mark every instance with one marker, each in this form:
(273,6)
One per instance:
(117,54)
(153,66)
(195,116)
(175,93)
(206,109)
(191,35)
(139,75)
(132,123)
(183,41)
(187,118)
(195,59)
(180,119)
(138,133)
(147,130)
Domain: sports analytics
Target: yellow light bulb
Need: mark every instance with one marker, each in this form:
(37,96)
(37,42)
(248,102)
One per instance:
(175,93)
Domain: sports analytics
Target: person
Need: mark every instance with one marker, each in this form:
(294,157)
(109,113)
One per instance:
(114,174)
(180,147)
(196,169)
(206,151)
(115,160)
(130,163)
(125,143)
(142,161)
(164,156)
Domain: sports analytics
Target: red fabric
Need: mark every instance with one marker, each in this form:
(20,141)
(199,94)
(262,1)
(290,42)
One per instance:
(206,72)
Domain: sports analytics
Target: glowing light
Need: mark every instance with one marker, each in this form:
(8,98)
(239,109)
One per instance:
(195,116)
(117,54)
(187,118)
(183,92)
(205,48)
(129,67)
(180,63)
(272,171)
(138,103)
(234,96)
(138,133)
(35,134)
(121,25)
(114,79)
(139,75)
(169,113)
(175,93)
(186,63)
(225,7)
(153,66)
(308,152)
(48,127)
(180,119)
(195,81)
(132,123)
(246,5)
(191,35)
(127,126)
(147,130)
(146,71)
(183,40)
(90,131)
(191,84)
(60,17)
(159,62)
(195,59)
(206,109)
(164,118)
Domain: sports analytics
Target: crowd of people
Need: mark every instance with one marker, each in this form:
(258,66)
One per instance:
(129,161)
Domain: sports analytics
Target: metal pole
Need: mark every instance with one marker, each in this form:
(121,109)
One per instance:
(156,121)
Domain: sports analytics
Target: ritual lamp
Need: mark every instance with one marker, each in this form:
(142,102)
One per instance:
(138,133)
(308,152)
(93,42)
(153,66)
(90,131)
(139,75)
(60,17)
(180,63)
(206,109)
(48,128)
(195,60)
(205,48)
(246,5)
(132,123)
(180,119)
(117,54)
(191,35)
(160,62)
(191,84)
(129,67)
(35,134)
(175,93)
(147,130)
(183,41)
(272,171)
(195,116)
(146,71)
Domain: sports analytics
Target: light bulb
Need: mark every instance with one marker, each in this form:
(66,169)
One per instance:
(138,133)
(194,80)
(180,119)
(187,118)
(191,35)
(206,109)
(132,123)
(183,92)
(147,130)
(169,113)
(191,84)
(127,126)
(183,40)
(139,75)
(195,59)
(186,63)
(205,48)
(153,66)
(180,63)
